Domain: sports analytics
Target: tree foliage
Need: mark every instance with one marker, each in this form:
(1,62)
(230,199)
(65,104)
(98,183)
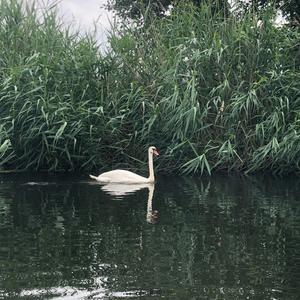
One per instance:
(290,9)
(136,9)
(127,9)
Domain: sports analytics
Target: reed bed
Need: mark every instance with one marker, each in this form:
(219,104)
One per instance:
(212,93)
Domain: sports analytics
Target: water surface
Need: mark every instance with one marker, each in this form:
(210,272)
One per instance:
(223,237)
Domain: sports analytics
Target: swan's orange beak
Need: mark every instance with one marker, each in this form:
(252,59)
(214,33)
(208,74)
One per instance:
(156,152)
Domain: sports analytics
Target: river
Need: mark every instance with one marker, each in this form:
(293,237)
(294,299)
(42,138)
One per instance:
(220,237)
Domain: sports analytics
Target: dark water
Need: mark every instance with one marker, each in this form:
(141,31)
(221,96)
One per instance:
(224,237)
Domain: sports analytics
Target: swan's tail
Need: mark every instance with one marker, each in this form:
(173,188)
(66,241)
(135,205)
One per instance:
(94,177)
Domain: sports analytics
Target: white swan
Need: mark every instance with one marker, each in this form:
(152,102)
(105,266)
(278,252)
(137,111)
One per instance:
(127,177)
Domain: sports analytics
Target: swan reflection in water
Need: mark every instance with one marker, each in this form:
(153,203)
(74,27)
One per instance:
(120,190)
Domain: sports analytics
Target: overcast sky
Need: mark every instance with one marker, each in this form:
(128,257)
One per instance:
(84,14)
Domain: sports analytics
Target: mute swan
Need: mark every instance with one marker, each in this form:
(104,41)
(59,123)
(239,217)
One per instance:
(127,177)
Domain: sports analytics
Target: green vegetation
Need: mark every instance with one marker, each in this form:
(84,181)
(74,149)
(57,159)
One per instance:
(213,93)
(135,9)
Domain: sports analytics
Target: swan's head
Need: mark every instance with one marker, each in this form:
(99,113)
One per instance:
(153,150)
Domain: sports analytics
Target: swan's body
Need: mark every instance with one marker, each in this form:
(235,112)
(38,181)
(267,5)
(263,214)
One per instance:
(120,176)
(127,177)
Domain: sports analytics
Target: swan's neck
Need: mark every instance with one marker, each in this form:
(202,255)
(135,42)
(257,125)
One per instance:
(151,171)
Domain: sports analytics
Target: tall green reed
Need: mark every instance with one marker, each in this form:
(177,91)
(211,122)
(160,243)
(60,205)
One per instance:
(216,84)
(214,93)
(51,80)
